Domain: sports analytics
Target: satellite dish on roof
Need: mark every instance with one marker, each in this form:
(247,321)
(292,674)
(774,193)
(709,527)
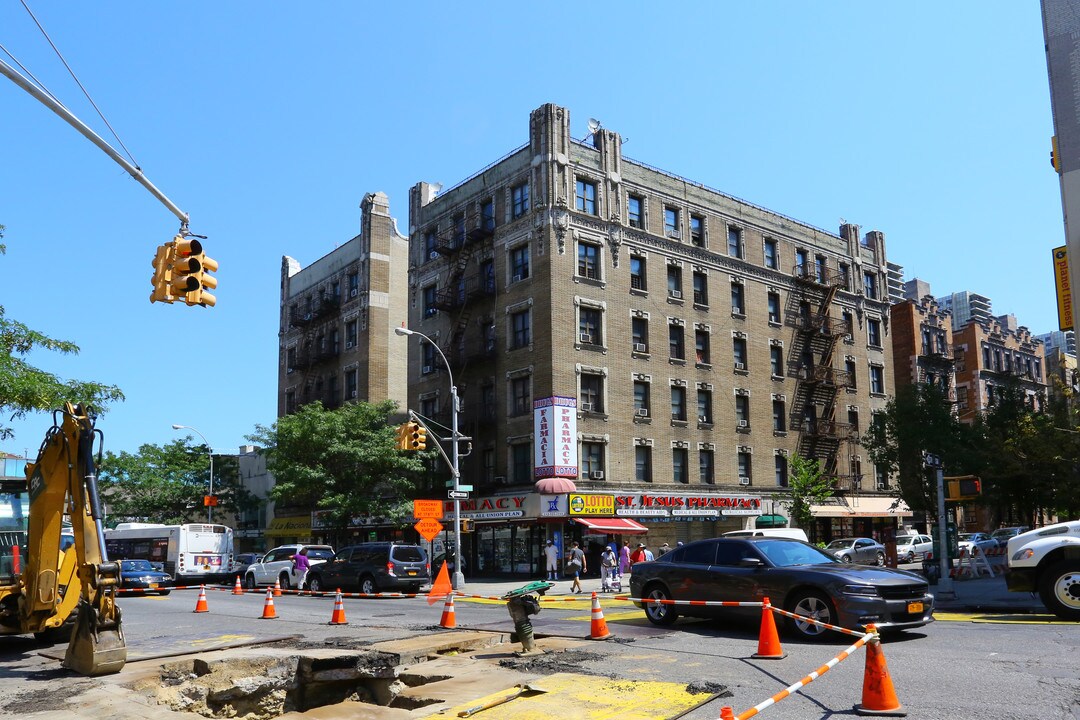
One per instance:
(594,125)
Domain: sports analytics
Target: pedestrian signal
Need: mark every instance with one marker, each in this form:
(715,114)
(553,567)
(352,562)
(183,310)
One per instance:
(966,487)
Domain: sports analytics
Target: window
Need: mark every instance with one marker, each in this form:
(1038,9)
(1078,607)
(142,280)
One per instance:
(590,326)
(849,326)
(873,332)
(877,379)
(350,385)
(881,478)
(774,308)
(635,210)
(962,397)
(853,418)
(431,240)
(521,395)
(740,353)
(819,268)
(701,347)
(519,200)
(585,197)
(592,393)
(802,258)
(588,262)
(704,406)
(742,411)
(674,282)
(641,398)
(643,463)
(772,258)
(779,416)
(639,329)
(780,463)
(870,285)
(680,472)
(776,360)
(734,242)
(521,462)
(350,334)
(738,300)
(290,402)
(701,288)
(430,294)
(637,273)
(428,358)
(706,466)
(845,276)
(678,403)
(353,283)
(592,459)
(488,464)
(487,215)
(671,222)
(697,230)
(677,350)
(429,407)
(519,263)
(744,467)
(520,335)
(849,366)
(290,360)
(459,229)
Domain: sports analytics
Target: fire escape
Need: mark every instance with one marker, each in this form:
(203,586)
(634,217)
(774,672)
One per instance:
(318,344)
(811,361)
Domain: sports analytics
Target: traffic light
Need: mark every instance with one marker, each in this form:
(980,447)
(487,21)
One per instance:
(1055,156)
(162,273)
(401,441)
(190,273)
(965,487)
(467,525)
(417,437)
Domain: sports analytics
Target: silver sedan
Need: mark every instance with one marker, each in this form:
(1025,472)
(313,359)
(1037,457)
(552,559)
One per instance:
(859,550)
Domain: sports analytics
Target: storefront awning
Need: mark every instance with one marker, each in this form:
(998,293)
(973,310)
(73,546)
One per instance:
(863,507)
(289,527)
(615,526)
(770,521)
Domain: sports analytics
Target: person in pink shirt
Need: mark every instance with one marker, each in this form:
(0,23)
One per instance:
(624,558)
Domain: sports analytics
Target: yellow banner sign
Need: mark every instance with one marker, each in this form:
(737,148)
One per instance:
(1064,289)
(592,504)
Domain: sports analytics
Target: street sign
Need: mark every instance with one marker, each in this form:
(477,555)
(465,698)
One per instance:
(427,509)
(450,484)
(428,528)
(457,495)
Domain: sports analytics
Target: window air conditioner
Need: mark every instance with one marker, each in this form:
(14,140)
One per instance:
(703,418)
(597,475)
(744,423)
(427,369)
(586,407)
(289,371)
(586,338)
(500,479)
(354,292)
(352,394)
(517,278)
(677,294)
(348,345)
(740,366)
(743,480)
(674,234)
(642,412)
(640,347)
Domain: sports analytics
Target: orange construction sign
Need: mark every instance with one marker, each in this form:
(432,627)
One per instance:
(427,510)
(428,528)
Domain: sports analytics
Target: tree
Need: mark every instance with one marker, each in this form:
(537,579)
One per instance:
(808,486)
(343,462)
(25,388)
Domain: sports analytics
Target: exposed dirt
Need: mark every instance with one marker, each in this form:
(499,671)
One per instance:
(573,661)
(712,688)
(52,700)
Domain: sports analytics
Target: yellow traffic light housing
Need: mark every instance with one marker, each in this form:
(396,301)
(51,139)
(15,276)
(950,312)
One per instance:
(417,436)
(401,438)
(162,273)
(964,487)
(1055,156)
(181,273)
(467,525)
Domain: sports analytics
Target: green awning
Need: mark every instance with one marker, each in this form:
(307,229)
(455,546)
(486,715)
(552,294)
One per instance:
(771,521)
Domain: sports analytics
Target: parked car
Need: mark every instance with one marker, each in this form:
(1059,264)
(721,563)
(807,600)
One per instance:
(141,575)
(1002,535)
(794,575)
(770,532)
(240,565)
(981,540)
(373,567)
(277,565)
(860,550)
(910,548)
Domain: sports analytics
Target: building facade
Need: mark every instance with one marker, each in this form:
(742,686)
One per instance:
(922,345)
(986,353)
(700,340)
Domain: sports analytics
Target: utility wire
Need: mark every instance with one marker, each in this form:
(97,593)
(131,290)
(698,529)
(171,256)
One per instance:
(79,83)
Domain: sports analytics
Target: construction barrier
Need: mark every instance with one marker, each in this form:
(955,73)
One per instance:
(268,607)
(338,616)
(598,627)
(200,604)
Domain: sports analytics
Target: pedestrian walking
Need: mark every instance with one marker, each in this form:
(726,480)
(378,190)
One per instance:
(649,555)
(609,570)
(664,549)
(637,556)
(624,558)
(551,555)
(575,565)
(300,567)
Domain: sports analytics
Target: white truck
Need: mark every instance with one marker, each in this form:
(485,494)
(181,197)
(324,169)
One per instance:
(1047,561)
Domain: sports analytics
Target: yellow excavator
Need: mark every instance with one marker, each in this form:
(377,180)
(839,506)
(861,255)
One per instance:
(44,586)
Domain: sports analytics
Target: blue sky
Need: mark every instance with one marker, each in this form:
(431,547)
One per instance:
(268,122)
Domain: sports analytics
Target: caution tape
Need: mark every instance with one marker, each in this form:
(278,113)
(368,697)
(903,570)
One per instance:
(812,621)
(698,603)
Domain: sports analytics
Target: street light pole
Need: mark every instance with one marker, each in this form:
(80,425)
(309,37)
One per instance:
(210,452)
(458,579)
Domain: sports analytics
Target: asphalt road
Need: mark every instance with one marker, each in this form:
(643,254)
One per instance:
(960,668)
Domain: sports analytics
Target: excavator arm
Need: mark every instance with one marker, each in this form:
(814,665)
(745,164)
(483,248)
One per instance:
(53,584)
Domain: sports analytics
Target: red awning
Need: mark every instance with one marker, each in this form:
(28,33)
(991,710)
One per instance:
(615,526)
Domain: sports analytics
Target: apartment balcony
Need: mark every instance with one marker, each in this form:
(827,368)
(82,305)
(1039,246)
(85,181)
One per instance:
(810,274)
(465,290)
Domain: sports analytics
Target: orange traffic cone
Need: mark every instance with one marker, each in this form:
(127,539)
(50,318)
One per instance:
(277,588)
(768,647)
(200,604)
(878,695)
(448,618)
(598,630)
(268,606)
(338,616)
(727,713)
(237,588)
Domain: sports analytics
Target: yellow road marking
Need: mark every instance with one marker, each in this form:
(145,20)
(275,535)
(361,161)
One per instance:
(996,618)
(610,616)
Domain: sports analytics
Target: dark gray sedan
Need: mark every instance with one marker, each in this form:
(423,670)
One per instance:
(794,575)
(860,550)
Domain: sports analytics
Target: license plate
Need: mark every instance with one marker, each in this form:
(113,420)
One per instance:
(153,586)
(412,572)
(914,607)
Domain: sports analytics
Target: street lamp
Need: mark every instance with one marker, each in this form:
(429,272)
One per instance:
(209,508)
(458,580)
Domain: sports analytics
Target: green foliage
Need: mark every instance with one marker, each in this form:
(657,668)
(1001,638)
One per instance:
(341,461)
(25,388)
(807,486)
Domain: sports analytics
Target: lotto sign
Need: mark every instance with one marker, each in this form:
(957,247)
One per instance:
(427,509)
(555,429)
(428,528)
(592,505)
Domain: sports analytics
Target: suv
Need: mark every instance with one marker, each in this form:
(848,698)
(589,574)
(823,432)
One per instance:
(277,565)
(1003,535)
(373,567)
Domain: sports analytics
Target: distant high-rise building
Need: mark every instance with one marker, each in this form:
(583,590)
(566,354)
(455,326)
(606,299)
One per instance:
(1063,339)
(966,307)
(916,289)
(894,280)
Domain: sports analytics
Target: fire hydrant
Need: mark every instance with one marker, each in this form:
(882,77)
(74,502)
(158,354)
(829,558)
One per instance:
(522,603)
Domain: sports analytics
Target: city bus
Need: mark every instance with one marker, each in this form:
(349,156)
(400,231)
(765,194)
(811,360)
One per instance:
(192,554)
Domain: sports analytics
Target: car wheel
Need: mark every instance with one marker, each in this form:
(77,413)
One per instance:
(911,557)
(880,559)
(1059,589)
(163,593)
(811,604)
(657,612)
(249,581)
(315,583)
(284,580)
(845,558)
(368,586)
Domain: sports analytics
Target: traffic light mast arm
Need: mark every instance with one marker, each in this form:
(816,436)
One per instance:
(413,417)
(93,137)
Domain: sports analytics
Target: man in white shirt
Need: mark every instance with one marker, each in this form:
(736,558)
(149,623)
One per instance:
(551,555)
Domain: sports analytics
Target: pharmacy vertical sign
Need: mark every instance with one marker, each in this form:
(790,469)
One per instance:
(555,437)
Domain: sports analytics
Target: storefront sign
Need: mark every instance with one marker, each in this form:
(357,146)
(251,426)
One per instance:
(730,512)
(498,515)
(687,504)
(680,512)
(553,506)
(555,430)
(641,512)
(490,508)
(592,504)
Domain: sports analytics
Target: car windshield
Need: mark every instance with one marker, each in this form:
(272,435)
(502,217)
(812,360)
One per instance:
(136,566)
(786,554)
(319,553)
(905,540)
(967,536)
(838,544)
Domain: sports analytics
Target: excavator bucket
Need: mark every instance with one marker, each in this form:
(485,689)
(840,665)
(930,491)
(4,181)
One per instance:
(97,646)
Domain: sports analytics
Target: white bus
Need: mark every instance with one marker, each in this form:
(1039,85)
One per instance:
(192,553)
